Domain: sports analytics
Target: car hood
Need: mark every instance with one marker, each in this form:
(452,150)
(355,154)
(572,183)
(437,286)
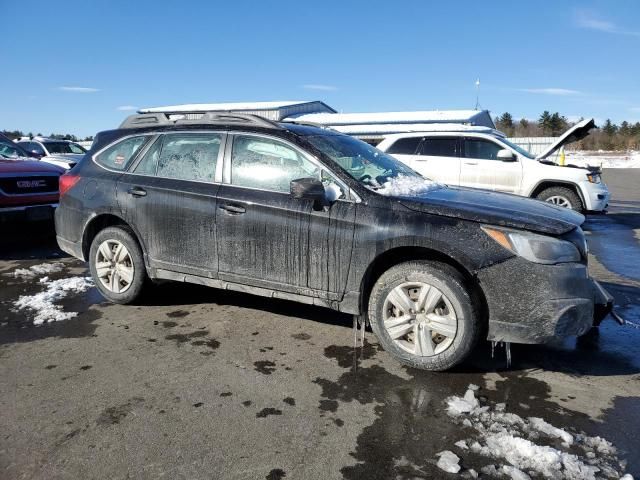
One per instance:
(19,166)
(495,208)
(575,133)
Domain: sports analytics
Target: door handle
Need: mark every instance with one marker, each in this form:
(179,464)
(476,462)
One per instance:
(232,209)
(137,192)
(470,163)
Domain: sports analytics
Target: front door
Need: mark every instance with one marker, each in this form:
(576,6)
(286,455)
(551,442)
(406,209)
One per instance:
(481,167)
(169,197)
(268,238)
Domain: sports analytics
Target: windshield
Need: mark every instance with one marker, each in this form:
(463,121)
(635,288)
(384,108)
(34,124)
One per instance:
(64,147)
(371,167)
(10,151)
(520,150)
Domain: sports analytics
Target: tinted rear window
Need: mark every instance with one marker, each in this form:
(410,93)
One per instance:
(405,146)
(439,147)
(118,156)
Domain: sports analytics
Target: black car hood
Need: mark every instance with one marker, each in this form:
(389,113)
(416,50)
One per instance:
(495,208)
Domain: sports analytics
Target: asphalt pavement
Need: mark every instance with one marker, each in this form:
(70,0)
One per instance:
(197,383)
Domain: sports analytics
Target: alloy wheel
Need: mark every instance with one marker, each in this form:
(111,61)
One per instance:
(420,319)
(114,266)
(560,201)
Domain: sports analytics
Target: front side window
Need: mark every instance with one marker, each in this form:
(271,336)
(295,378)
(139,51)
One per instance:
(481,149)
(268,164)
(404,146)
(189,156)
(119,156)
(439,147)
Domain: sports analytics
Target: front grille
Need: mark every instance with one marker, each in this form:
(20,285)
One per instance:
(26,185)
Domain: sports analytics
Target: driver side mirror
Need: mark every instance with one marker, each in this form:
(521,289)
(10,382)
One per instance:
(310,189)
(506,155)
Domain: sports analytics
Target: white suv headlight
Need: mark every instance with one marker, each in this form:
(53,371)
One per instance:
(533,247)
(594,178)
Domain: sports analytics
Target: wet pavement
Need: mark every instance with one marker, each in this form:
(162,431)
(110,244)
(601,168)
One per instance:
(200,383)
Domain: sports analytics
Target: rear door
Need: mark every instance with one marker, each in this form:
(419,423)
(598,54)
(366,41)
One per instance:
(268,238)
(169,196)
(438,158)
(481,167)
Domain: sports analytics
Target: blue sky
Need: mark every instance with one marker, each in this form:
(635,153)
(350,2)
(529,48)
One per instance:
(78,67)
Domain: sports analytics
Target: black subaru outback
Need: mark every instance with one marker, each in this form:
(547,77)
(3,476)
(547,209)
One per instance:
(307,214)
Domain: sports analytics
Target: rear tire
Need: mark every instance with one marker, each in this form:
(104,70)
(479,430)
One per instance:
(562,197)
(424,315)
(117,265)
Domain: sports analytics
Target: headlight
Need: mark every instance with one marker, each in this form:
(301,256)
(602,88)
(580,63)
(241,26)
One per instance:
(594,177)
(533,247)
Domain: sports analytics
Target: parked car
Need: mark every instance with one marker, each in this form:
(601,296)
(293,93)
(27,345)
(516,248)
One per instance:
(480,157)
(302,213)
(62,153)
(28,188)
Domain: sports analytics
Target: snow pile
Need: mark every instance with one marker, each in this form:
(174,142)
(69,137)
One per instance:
(43,303)
(604,159)
(35,270)
(448,461)
(531,446)
(402,186)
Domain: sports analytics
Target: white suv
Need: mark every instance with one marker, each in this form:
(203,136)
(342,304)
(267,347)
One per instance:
(480,157)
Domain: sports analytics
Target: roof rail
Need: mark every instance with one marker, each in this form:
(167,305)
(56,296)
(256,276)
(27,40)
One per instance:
(196,118)
(309,124)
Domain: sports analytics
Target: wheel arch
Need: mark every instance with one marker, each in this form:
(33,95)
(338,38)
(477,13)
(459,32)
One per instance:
(100,222)
(397,255)
(544,184)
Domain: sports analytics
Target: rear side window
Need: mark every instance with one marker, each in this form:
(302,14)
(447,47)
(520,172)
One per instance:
(404,146)
(267,164)
(481,149)
(189,156)
(439,147)
(119,156)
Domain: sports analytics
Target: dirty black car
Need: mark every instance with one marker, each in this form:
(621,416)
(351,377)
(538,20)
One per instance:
(307,214)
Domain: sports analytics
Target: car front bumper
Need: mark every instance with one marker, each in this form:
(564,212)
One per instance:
(596,196)
(534,303)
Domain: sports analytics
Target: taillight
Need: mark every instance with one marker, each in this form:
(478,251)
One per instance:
(66,182)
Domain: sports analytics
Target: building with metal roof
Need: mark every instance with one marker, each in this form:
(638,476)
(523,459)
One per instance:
(372,127)
(275,111)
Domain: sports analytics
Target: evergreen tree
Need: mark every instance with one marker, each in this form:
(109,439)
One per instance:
(544,122)
(609,128)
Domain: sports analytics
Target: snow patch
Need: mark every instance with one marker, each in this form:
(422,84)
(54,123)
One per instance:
(403,186)
(530,446)
(43,303)
(448,461)
(604,159)
(36,270)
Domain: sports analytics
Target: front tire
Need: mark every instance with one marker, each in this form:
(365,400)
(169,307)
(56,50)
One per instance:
(117,265)
(562,197)
(424,315)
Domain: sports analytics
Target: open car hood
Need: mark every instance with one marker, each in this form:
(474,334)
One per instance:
(575,133)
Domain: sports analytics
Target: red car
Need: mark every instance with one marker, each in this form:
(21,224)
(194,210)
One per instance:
(28,188)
